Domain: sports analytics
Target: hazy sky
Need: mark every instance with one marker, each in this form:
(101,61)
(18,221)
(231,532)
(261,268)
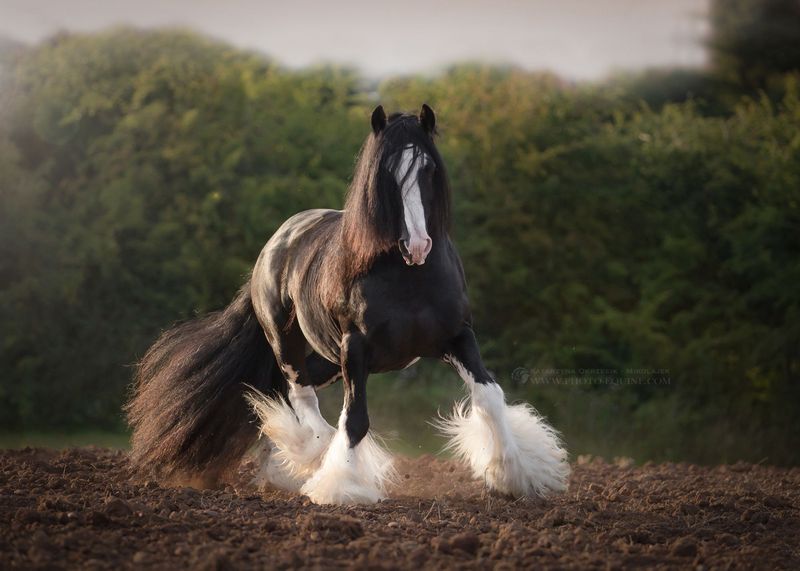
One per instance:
(580,39)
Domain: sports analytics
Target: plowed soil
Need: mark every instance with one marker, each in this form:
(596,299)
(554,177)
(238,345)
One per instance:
(82,509)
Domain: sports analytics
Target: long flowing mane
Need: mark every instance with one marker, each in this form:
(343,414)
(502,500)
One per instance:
(373,207)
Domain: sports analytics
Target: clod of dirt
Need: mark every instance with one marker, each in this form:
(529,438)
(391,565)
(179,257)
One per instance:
(98,518)
(27,516)
(683,547)
(554,518)
(116,507)
(467,542)
(331,528)
(218,561)
(755,516)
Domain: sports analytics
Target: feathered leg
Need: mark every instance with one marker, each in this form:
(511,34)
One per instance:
(355,468)
(510,446)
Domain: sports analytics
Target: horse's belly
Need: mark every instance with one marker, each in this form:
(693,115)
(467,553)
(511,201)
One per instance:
(320,333)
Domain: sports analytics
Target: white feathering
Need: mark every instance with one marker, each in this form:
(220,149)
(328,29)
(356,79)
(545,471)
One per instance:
(322,466)
(358,475)
(296,449)
(532,463)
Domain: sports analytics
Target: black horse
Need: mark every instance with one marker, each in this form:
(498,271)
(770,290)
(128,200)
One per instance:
(344,294)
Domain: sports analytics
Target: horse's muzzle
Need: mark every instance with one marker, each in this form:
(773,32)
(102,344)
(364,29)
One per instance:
(415,251)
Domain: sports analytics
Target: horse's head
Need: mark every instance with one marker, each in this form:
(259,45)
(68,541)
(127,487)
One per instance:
(399,197)
(411,180)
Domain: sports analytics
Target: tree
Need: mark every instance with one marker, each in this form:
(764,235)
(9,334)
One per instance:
(753,41)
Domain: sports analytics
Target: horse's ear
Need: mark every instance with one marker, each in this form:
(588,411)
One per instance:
(378,119)
(427,119)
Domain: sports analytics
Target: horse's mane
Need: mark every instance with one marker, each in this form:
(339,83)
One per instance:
(373,207)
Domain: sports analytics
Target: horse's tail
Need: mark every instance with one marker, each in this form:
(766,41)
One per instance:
(189,416)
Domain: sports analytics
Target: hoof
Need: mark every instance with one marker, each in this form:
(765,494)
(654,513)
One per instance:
(358,475)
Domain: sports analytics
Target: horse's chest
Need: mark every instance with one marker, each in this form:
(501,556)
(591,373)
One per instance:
(402,326)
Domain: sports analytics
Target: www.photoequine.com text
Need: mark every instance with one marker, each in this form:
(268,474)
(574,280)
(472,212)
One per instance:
(524,375)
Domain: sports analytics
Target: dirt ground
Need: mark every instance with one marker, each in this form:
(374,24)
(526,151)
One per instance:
(81,509)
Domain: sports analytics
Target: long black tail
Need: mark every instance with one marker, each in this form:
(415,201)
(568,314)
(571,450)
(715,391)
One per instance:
(188,413)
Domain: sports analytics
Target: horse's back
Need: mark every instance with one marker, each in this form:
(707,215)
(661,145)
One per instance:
(303,226)
(293,244)
(302,229)
(286,275)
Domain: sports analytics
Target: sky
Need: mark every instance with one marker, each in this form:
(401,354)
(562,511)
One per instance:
(578,39)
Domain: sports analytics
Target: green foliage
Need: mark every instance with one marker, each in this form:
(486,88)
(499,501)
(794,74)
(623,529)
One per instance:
(754,42)
(601,226)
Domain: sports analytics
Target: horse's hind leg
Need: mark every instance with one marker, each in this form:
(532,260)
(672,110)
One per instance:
(298,434)
(510,446)
(355,468)
(281,465)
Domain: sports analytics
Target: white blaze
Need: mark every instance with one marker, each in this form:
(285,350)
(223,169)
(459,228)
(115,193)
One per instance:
(407,176)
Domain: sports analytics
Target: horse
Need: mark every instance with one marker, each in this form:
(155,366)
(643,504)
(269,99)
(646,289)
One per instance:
(339,294)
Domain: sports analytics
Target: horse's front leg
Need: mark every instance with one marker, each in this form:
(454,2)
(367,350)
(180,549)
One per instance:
(511,447)
(355,468)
